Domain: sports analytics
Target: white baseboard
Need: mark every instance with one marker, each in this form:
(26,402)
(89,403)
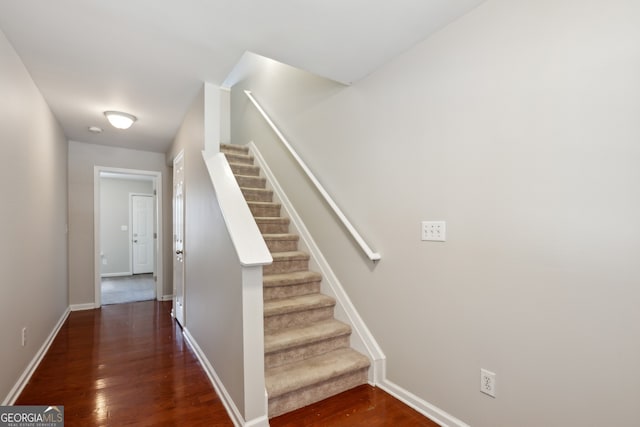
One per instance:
(166,298)
(228,403)
(81,307)
(430,411)
(258,422)
(33,365)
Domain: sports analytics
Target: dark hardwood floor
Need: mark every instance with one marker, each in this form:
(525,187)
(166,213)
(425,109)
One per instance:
(363,406)
(128,365)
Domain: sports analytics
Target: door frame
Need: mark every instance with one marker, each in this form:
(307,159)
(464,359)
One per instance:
(179,315)
(159,244)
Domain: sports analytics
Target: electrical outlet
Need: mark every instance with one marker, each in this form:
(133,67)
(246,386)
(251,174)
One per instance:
(434,231)
(24,336)
(488,382)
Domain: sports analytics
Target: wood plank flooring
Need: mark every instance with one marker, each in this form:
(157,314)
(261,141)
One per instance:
(128,365)
(363,406)
(125,364)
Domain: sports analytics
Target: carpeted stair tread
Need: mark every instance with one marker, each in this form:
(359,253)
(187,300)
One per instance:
(287,279)
(249,181)
(290,256)
(263,203)
(271,224)
(287,262)
(257,194)
(286,285)
(234,148)
(297,304)
(241,158)
(281,236)
(295,337)
(288,378)
(242,169)
(273,220)
(264,209)
(282,242)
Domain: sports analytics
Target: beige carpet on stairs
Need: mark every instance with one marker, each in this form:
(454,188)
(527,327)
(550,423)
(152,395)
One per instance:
(307,352)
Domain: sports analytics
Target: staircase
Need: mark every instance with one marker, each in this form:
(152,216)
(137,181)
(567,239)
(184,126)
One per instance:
(307,355)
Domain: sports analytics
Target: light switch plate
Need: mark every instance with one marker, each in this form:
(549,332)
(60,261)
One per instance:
(434,231)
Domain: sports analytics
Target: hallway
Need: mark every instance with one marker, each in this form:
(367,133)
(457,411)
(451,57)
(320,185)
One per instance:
(125,364)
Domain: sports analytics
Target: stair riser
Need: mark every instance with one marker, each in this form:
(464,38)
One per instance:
(300,318)
(299,398)
(251,181)
(253,195)
(265,210)
(287,266)
(275,292)
(282,245)
(273,227)
(248,170)
(239,158)
(305,351)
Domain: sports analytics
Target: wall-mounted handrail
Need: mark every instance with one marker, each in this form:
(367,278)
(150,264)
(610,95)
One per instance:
(373,256)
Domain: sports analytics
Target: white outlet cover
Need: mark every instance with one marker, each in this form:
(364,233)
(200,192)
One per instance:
(488,382)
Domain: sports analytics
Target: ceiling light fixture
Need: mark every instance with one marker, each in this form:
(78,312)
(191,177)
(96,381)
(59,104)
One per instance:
(119,119)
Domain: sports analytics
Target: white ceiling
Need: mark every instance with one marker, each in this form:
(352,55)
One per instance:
(150,57)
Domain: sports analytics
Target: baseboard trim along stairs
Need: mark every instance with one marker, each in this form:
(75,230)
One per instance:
(308,356)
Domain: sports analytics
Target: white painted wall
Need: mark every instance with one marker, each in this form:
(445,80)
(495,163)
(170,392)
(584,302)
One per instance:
(213,277)
(33,254)
(518,125)
(82,160)
(114,213)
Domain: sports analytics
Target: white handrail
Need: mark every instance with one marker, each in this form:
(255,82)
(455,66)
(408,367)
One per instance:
(373,256)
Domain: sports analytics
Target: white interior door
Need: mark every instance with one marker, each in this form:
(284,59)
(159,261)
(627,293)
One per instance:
(178,239)
(142,234)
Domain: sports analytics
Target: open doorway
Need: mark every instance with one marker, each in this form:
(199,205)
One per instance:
(128,236)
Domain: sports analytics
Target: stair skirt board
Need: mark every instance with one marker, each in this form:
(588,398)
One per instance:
(308,356)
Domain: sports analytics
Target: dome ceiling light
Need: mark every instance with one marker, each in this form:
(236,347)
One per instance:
(119,119)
